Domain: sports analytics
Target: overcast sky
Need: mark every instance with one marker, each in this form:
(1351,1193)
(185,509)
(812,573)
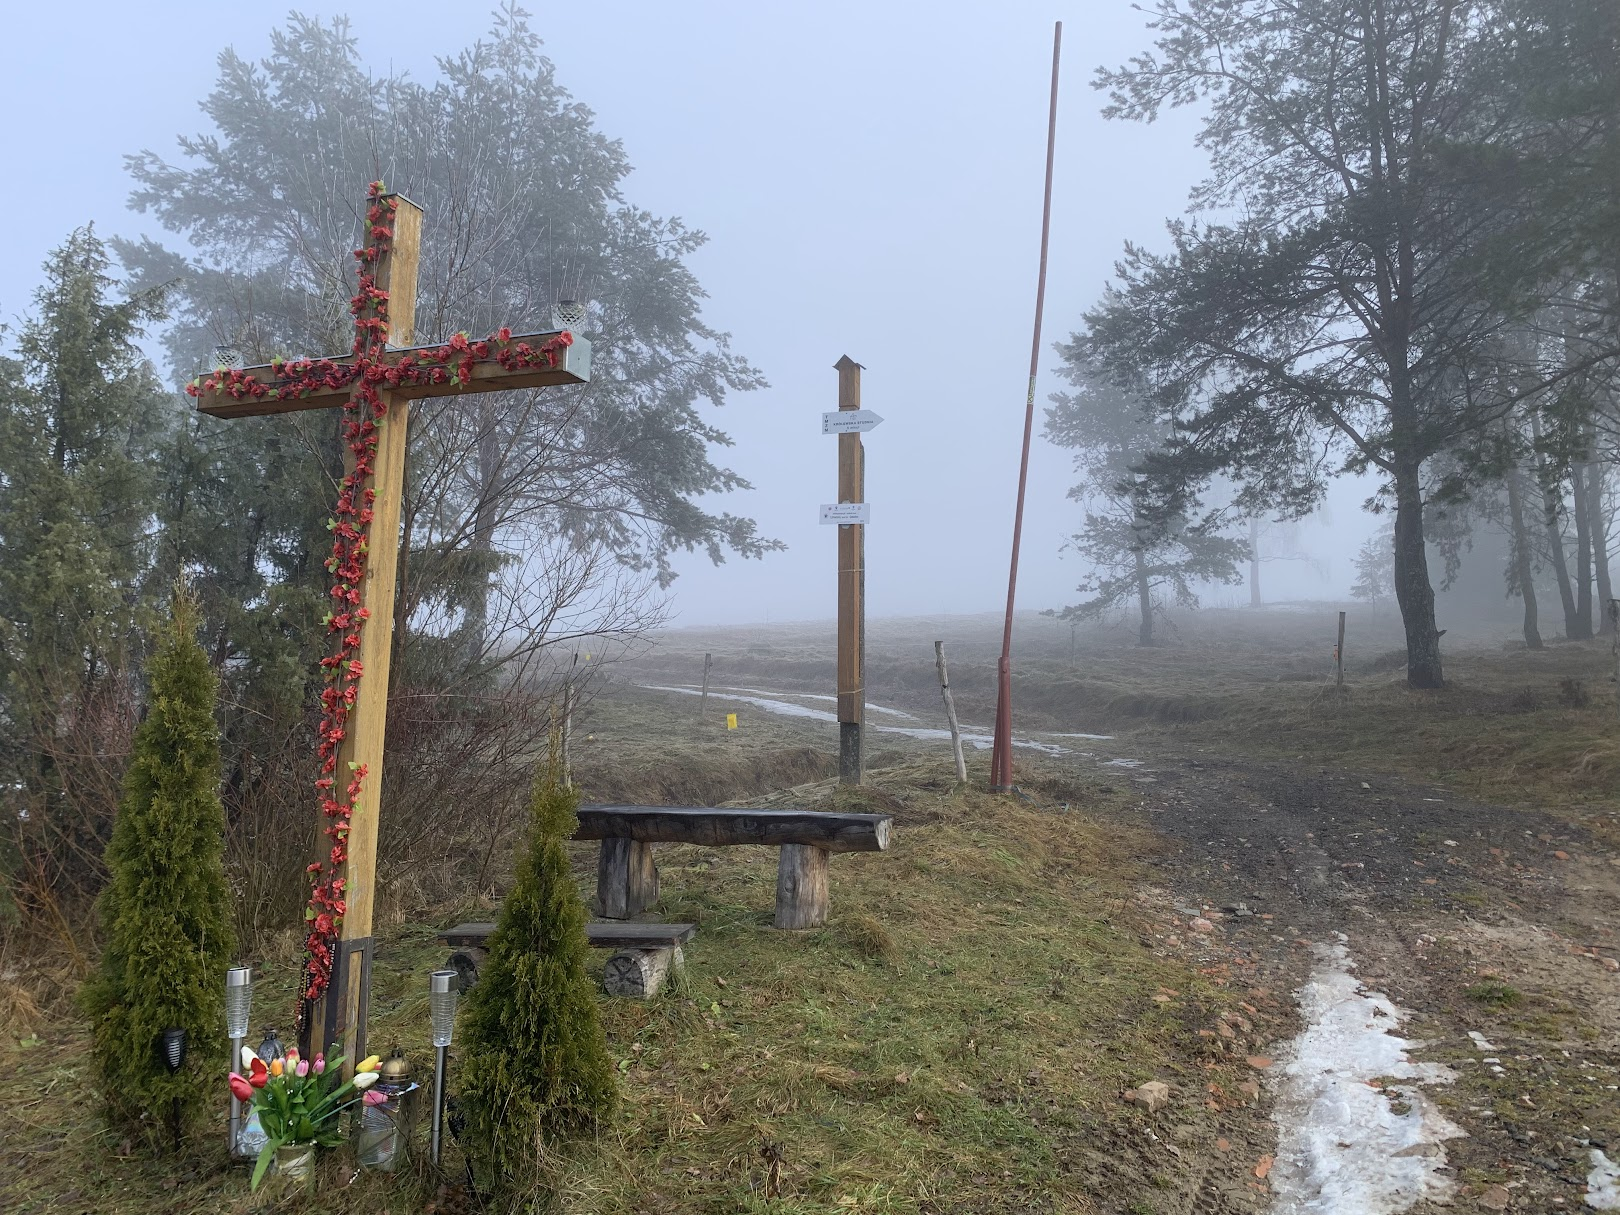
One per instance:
(869,176)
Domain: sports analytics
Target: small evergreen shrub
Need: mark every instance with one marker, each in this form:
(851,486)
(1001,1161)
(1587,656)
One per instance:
(534,1065)
(165,912)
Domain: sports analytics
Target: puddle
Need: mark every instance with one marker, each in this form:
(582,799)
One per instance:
(1122,763)
(1345,1147)
(1098,737)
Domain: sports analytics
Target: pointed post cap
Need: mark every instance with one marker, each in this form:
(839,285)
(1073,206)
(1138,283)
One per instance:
(845,363)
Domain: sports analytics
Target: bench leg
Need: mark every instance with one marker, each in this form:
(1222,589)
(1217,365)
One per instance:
(626,879)
(639,974)
(801,886)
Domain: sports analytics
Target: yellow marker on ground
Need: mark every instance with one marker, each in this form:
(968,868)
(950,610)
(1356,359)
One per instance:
(731,721)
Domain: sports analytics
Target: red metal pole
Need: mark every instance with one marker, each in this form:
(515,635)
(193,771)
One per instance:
(1001,751)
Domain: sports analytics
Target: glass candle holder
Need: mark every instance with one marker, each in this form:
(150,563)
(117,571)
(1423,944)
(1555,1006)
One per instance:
(238,1002)
(442,1005)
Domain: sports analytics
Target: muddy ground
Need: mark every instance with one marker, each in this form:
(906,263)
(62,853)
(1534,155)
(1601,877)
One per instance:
(1493,913)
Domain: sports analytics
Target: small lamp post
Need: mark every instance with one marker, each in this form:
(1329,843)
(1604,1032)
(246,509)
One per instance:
(238,1009)
(442,1009)
(172,1050)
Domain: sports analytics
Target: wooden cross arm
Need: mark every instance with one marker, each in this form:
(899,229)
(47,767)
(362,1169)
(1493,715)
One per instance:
(532,360)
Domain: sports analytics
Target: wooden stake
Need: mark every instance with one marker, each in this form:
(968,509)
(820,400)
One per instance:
(703,704)
(1614,645)
(950,713)
(851,588)
(567,730)
(1338,655)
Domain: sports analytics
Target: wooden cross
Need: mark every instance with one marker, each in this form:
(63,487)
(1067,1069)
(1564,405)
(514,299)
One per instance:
(375,384)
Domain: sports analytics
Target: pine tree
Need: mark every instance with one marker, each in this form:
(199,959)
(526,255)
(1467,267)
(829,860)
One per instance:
(535,1067)
(81,414)
(165,912)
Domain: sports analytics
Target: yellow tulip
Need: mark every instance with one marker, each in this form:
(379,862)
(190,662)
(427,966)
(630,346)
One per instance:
(368,1064)
(275,1067)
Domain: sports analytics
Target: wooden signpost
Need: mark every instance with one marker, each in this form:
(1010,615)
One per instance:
(851,576)
(384,363)
(1338,655)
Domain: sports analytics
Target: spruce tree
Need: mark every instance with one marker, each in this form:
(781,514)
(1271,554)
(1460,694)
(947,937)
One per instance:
(165,912)
(535,1067)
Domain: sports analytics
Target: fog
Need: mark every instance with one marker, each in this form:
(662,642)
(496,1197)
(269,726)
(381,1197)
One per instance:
(869,177)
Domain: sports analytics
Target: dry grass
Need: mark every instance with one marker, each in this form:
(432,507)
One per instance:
(964,1025)
(1538,728)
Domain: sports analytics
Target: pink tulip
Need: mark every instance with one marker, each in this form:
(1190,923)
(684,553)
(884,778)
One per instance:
(320,1064)
(373,1097)
(303,1068)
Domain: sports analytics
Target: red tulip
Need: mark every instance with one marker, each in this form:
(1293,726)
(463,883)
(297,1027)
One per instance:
(258,1074)
(240,1088)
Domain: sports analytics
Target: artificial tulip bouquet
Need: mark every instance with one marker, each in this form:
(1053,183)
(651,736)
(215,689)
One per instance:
(298,1101)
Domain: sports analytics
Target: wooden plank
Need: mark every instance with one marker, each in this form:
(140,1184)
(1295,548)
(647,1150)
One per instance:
(624,935)
(722,828)
(487,376)
(396,274)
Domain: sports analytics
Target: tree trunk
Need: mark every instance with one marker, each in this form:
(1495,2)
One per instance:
(1550,504)
(485,510)
(1583,556)
(1413,590)
(1598,526)
(1144,596)
(1254,563)
(1522,574)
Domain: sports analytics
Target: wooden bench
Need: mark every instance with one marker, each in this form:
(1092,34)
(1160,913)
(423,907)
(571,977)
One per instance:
(627,879)
(644,954)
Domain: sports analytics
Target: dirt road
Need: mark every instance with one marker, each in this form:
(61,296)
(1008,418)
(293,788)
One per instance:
(1473,918)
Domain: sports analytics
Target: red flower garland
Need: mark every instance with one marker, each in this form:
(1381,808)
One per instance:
(369,373)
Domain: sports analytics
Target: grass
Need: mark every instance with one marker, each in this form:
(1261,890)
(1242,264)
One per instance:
(1494,994)
(964,1025)
(1537,728)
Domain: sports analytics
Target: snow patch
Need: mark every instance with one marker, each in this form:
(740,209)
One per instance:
(781,707)
(785,708)
(1343,1149)
(1603,1183)
(817,696)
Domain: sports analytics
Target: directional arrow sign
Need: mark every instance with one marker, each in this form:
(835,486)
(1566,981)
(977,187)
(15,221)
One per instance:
(849,421)
(846,512)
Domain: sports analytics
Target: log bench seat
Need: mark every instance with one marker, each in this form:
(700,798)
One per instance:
(644,954)
(627,879)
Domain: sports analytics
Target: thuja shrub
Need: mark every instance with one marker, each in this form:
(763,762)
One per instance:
(165,911)
(535,1068)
